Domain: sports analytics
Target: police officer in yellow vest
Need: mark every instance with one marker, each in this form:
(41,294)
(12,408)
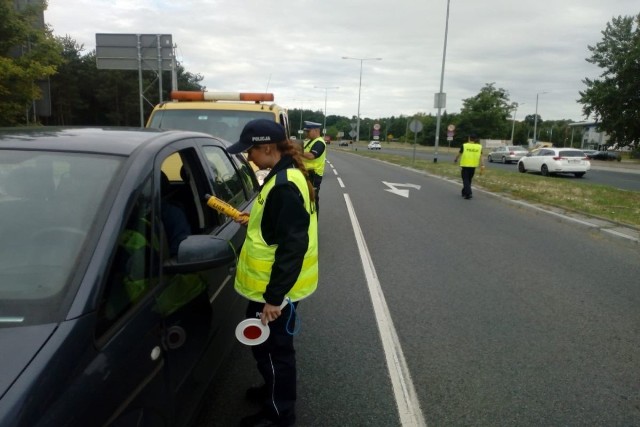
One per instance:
(279,259)
(314,155)
(470,158)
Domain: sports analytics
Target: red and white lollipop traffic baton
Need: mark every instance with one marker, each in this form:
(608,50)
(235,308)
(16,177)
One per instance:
(252,331)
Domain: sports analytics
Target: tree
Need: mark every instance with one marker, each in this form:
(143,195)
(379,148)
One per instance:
(486,114)
(28,53)
(613,98)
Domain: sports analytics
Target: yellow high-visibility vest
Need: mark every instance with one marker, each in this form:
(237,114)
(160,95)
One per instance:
(316,165)
(257,257)
(471,153)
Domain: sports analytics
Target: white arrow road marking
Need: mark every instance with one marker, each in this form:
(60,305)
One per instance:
(393,188)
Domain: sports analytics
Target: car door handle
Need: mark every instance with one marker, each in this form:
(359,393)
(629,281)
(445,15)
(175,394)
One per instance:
(156,353)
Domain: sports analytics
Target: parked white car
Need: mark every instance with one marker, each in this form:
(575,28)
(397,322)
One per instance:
(551,160)
(374,145)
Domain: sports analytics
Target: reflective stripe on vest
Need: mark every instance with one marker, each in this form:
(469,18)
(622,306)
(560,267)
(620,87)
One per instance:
(471,154)
(257,257)
(316,165)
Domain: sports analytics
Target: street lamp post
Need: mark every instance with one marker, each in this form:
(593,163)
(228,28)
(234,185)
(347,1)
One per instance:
(360,90)
(440,98)
(513,125)
(535,119)
(324,128)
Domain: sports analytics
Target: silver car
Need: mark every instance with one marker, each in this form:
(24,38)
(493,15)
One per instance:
(507,154)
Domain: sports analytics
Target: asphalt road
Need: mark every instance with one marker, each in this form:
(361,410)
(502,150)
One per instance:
(503,316)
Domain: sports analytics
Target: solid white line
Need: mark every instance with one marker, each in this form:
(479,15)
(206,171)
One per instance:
(340,182)
(403,389)
(215,295)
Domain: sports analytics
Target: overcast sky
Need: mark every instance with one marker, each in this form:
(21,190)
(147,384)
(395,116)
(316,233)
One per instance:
(291,47)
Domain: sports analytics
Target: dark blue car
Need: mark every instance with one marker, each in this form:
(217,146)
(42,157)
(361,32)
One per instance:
(116,291)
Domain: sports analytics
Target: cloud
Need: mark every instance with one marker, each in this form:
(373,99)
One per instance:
(290,47)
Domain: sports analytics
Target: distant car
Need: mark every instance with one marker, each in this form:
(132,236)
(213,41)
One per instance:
(102,322)
(374,145)
(605,155)
(589,153)
(343,143)
(549,160)
(507,154)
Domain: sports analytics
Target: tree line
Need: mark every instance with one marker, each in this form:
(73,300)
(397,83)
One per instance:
(81,94)
(489,115)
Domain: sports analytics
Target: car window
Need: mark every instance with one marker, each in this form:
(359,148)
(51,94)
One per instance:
(187,183)
(131,276)
(572,153)
(247,175)
(226,182)
(49,202)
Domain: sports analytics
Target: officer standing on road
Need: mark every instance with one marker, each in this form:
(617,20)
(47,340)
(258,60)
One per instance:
(314,155)
(278,261)
(470,158)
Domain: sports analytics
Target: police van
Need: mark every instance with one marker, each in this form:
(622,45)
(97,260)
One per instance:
(221,114)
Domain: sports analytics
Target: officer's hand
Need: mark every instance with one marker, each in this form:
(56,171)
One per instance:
(270,313)
(243,218)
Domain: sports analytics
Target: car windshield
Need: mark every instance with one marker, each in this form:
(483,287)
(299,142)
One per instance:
(48,203)
(226,124)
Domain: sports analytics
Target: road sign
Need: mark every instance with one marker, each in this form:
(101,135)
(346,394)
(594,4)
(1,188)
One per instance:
(451,128)
(352,134)
(131,51)
(376,126)
(415,126)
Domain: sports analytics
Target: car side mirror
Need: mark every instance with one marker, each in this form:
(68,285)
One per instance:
(200,252)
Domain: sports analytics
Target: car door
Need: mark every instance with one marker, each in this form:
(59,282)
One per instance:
(533,161)
(126,372)
(201,309)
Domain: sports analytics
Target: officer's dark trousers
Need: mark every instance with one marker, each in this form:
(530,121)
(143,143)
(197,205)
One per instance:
(276,361)
(467,177)
(316,180)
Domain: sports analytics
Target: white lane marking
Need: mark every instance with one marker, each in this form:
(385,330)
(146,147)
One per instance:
(335,172)
(393,188)
(215,295)
(403,389)
(340,182)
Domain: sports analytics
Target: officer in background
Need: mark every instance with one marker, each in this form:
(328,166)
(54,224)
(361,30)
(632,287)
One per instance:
(314,154)
(470,158)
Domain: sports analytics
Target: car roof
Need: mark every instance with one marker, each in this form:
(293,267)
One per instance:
(120,141)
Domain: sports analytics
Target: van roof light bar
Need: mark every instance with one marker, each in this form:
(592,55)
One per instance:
(184,95)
